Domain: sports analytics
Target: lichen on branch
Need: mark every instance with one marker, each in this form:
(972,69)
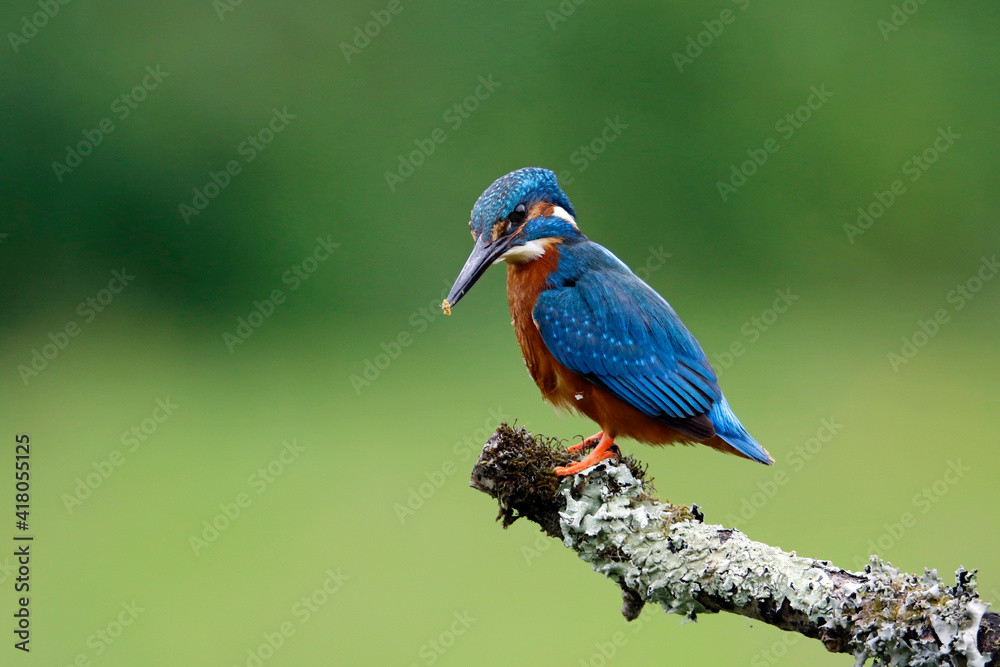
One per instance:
(665,554)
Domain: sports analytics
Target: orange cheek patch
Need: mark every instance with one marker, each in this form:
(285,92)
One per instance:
(541,210)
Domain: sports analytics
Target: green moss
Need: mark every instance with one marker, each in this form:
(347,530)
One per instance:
(517,469)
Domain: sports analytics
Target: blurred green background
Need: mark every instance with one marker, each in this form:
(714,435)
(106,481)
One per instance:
(371,499)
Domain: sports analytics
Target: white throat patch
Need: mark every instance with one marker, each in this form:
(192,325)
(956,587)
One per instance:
(522,254)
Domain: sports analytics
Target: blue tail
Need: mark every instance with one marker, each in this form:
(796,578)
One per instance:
(729,428)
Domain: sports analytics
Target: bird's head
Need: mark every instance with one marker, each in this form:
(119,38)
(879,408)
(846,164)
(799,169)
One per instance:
(515,220)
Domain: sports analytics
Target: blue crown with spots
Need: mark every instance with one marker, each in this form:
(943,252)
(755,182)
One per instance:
(528,185)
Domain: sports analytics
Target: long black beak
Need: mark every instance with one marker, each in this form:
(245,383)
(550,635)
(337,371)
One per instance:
(483,255)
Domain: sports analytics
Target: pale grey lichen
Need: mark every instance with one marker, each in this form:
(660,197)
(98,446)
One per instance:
(660,554)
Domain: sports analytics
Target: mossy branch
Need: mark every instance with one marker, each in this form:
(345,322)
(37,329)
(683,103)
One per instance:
(665,554)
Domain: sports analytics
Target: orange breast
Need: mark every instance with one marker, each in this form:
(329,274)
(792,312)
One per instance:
(524,283)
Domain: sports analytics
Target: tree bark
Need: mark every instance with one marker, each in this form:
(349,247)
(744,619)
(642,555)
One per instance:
(665,554)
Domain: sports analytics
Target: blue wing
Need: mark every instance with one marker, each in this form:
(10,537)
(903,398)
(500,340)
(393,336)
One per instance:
(609,326)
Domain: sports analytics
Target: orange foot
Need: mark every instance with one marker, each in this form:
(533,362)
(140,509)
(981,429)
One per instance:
(587,443)
(600,453)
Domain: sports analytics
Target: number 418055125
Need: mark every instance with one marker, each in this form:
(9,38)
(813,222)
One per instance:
(22,473)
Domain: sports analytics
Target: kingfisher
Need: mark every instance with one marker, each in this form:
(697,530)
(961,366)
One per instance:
(596,339)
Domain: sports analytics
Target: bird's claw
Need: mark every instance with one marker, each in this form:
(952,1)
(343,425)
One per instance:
(587,443)
(606,449)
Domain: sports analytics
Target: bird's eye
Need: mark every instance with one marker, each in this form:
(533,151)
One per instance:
(518,214)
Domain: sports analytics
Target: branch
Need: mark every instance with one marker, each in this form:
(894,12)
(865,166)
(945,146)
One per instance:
(663,553)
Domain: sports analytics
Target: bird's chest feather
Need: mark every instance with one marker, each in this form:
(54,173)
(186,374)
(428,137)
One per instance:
(524,283)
